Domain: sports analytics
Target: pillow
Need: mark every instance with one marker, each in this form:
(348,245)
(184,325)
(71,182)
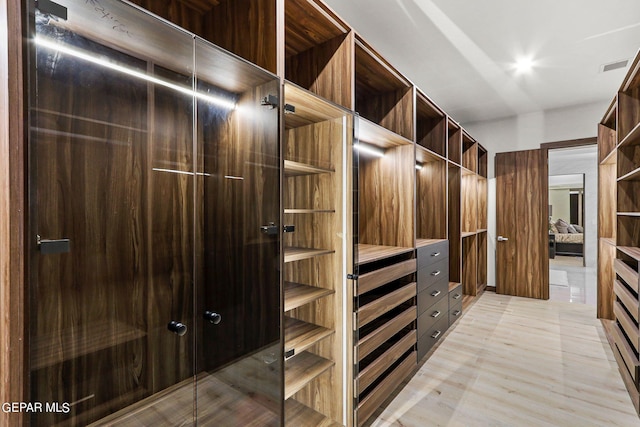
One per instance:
(571,229)
(552,228)
(578,228)
(562,226)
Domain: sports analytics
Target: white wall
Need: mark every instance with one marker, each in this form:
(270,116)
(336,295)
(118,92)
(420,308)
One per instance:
(559,199)
(527,132)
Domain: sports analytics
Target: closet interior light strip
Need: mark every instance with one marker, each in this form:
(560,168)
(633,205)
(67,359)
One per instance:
(90,57)
(369,149)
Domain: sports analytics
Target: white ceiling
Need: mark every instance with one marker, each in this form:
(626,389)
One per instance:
(461,52)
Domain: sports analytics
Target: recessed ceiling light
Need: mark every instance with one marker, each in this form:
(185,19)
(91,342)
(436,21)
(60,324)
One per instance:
(524,65)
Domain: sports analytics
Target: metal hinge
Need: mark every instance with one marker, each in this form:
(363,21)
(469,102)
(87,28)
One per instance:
(270,101)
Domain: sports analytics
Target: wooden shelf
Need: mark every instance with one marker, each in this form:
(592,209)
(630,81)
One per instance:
(426,242)
(297,294)
(72,343)
(371,253)
(299,415)
(466,171)
(453,285)
(308,211)
(628,214)
(297,254)
(300,335)
(292,168)
(634,175)
(632,138)
(633,252)
(608,241)
(424,155)
(302,369)
(467,234)
(310,108)
(374,134)
(481,230)
(610,158)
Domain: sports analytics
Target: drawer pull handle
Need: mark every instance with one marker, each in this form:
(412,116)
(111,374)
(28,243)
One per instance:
(435,273)
(436,314)
(435,254)
(457,313)
(456,296)
(435,293)
(436,334)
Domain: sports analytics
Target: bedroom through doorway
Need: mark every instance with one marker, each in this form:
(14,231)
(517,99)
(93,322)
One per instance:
(572,214)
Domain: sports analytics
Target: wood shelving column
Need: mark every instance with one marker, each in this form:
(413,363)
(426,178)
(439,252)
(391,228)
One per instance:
(317,160)
(619,206)
(385,295)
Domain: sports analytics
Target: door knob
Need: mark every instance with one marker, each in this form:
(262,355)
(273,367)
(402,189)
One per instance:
(177,328)
(502,239)
(212,317)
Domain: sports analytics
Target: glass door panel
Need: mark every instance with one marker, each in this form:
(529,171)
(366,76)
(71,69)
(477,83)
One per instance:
(239,347)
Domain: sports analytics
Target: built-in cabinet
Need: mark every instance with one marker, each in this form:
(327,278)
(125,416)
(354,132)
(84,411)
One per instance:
(619,227)
(318,213)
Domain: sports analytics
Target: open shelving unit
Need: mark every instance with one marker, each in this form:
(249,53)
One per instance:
(316,160)
(619,227)
(431,125)
(318,51)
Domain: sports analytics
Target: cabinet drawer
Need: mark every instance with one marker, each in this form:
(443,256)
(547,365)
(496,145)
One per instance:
(373,340)
(455,296)
(385,303)
(455,312)
(627,324)
(628,274)
(428,255)
(433,273)
(433,315)
(370,281)
(628,355)
(427,340)
(432,295)
(627,298)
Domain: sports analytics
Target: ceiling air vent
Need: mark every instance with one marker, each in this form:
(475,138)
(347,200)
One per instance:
(614,65)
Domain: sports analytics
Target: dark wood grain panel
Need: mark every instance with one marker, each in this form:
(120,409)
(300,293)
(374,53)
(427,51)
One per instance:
(370,281)
(469,265)
(325,69)
(186,14)
(482,259)
(369,343)
(521,204)
(607,201)
(627,193)
(628,111)
(606,277)
(247,28)
(607,141)
(310,23)
(301,369)
(386,211)
(482,194)
(13,209)
(469,189)
(454,179)
(469,153)
(628,231)
(431,200)
(372,401)
(628,274)
(297,414)
(385,303)
(373,371)
(483,157)
(391,110)
(628,158)
(454,143)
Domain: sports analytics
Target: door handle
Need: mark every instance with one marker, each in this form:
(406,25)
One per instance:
(57,246)
(212,317)
(177,328)
(502,239)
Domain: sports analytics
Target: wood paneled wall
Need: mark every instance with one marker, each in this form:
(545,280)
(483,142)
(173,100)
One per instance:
(386,207)
(392,110)
(13,209)
(431,203)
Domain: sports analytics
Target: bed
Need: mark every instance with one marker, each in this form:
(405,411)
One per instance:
(569,244)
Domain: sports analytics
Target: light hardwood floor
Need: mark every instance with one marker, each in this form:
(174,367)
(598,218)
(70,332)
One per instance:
(517,362)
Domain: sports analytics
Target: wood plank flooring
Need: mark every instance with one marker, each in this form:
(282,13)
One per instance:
(516,362)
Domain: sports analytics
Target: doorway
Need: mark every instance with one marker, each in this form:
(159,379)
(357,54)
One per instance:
(572,209)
